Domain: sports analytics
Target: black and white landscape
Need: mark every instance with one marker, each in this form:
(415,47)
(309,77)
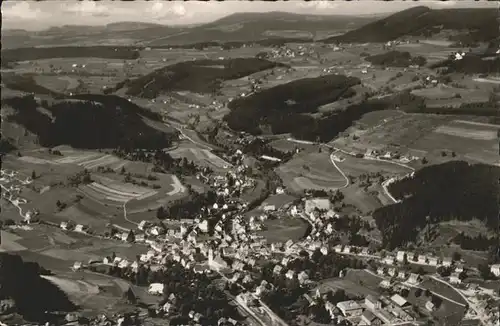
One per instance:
(250,163)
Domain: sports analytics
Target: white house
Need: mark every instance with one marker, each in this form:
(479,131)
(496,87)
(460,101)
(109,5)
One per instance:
(422,259)
(277,269)
(81,228)
(203,226)
(400,256)
(144,224)
(495,269)
(156,288)
(389,260)
(433,261)
(372,303)
(399,300)
(447,262)
(269,208)
(350,308)
(76,266)
(429,305)
(455,279)
(414,278)
(290,274)
(303,277)
(391,272)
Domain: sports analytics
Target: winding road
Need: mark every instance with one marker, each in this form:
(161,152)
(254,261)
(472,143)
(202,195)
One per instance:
(385,184)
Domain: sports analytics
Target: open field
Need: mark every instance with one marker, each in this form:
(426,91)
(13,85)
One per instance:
(473,141)
(362,200)
(353,166)
(281,230)
(449,312)
(311,171)
(351,287)
(428,136)
(57,83)
(285,145)
(110,189)
(443,95)
(442,289)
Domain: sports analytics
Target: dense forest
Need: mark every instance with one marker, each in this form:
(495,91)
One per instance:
(273,42)
(5,145)
(86,124)
(38,53)
(470,64)
(259,147)
(453,190)
(396,59)
(27,84)
(201,76)
(475,24)
(288,108)
(480,243)
(34,296)
(284,108)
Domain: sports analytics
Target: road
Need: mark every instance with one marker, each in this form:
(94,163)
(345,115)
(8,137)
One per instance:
(472,306)
(341,172)
(419,287)
(180,128)
(277,320)
(385,184)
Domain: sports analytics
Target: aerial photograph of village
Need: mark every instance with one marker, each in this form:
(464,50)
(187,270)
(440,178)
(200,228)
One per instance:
(250,163)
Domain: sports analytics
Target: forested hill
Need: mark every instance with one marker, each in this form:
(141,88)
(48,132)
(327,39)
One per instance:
(293,108)
(453,190)
(201,76)
(34,296)
(471,25)
(88,124)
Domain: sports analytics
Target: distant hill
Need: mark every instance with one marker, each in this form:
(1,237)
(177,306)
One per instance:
(201,76)
(243,27)
(474,24)
(106,52)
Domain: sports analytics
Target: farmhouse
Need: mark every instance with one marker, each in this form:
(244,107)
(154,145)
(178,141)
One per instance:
(156,288)
(495,269)
(368,318)
(399,300)
(455,278)
(350,308)
(447,262)
(400,256)
(422,259)
(414,278)
(429,306)
(372,303)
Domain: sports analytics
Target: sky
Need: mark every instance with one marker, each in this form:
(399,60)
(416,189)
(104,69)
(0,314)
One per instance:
(30,15)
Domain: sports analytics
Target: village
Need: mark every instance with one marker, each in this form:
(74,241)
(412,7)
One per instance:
(222,241)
